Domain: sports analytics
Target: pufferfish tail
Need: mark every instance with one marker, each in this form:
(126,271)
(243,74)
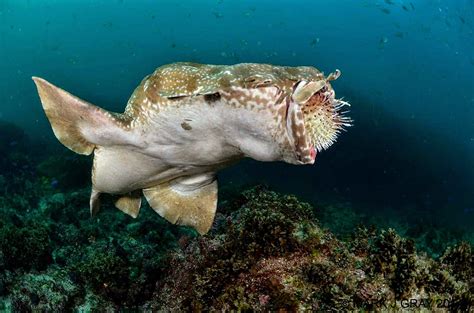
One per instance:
(79,125)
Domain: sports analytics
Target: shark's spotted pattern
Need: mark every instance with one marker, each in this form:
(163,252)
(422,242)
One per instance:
(170,82)
(186,121)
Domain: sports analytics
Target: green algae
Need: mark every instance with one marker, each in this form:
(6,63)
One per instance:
(27,248)
(309,268)
(52,290)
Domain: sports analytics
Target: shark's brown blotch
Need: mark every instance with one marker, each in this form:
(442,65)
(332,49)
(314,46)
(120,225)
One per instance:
(213,97)
(186,126)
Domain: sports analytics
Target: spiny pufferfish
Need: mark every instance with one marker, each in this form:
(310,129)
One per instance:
(186,121)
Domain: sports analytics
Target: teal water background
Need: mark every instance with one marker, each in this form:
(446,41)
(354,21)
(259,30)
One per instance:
(407,68)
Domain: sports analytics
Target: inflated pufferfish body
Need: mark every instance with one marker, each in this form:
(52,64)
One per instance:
(186,121)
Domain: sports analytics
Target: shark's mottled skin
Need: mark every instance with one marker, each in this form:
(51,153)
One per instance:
(186,121)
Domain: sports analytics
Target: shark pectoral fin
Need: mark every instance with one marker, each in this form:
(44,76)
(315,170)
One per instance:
(77,124)
(190,201)
(130,203)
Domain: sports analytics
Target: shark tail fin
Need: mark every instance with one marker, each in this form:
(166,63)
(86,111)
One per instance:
(79,125)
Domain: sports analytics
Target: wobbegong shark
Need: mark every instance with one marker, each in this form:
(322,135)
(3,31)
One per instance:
(186,121)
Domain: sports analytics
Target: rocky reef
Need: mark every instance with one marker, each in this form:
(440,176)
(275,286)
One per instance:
(266,252)
(269,253)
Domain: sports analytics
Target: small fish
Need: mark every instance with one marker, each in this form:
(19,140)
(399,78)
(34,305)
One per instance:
(462,19)
(107,24)
(55,47)
(186,121)
(385,10)
(404,7)
(389,2)
(399,34)
(425,28)
(412,6)
(314,42)
(218,14)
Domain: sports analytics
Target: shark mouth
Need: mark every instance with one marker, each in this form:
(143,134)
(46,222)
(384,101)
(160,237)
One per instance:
(325,117)
(315,118)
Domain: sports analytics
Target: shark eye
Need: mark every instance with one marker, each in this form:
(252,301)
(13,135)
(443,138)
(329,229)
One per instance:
(303,92)
(295,86)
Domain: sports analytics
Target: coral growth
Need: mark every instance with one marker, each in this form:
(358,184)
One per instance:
(271,254)
(50,291)
(27,247)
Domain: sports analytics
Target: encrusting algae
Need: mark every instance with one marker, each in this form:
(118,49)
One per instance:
(271,254)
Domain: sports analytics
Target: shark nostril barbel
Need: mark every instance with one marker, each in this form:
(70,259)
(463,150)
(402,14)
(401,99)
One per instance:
(334,75)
